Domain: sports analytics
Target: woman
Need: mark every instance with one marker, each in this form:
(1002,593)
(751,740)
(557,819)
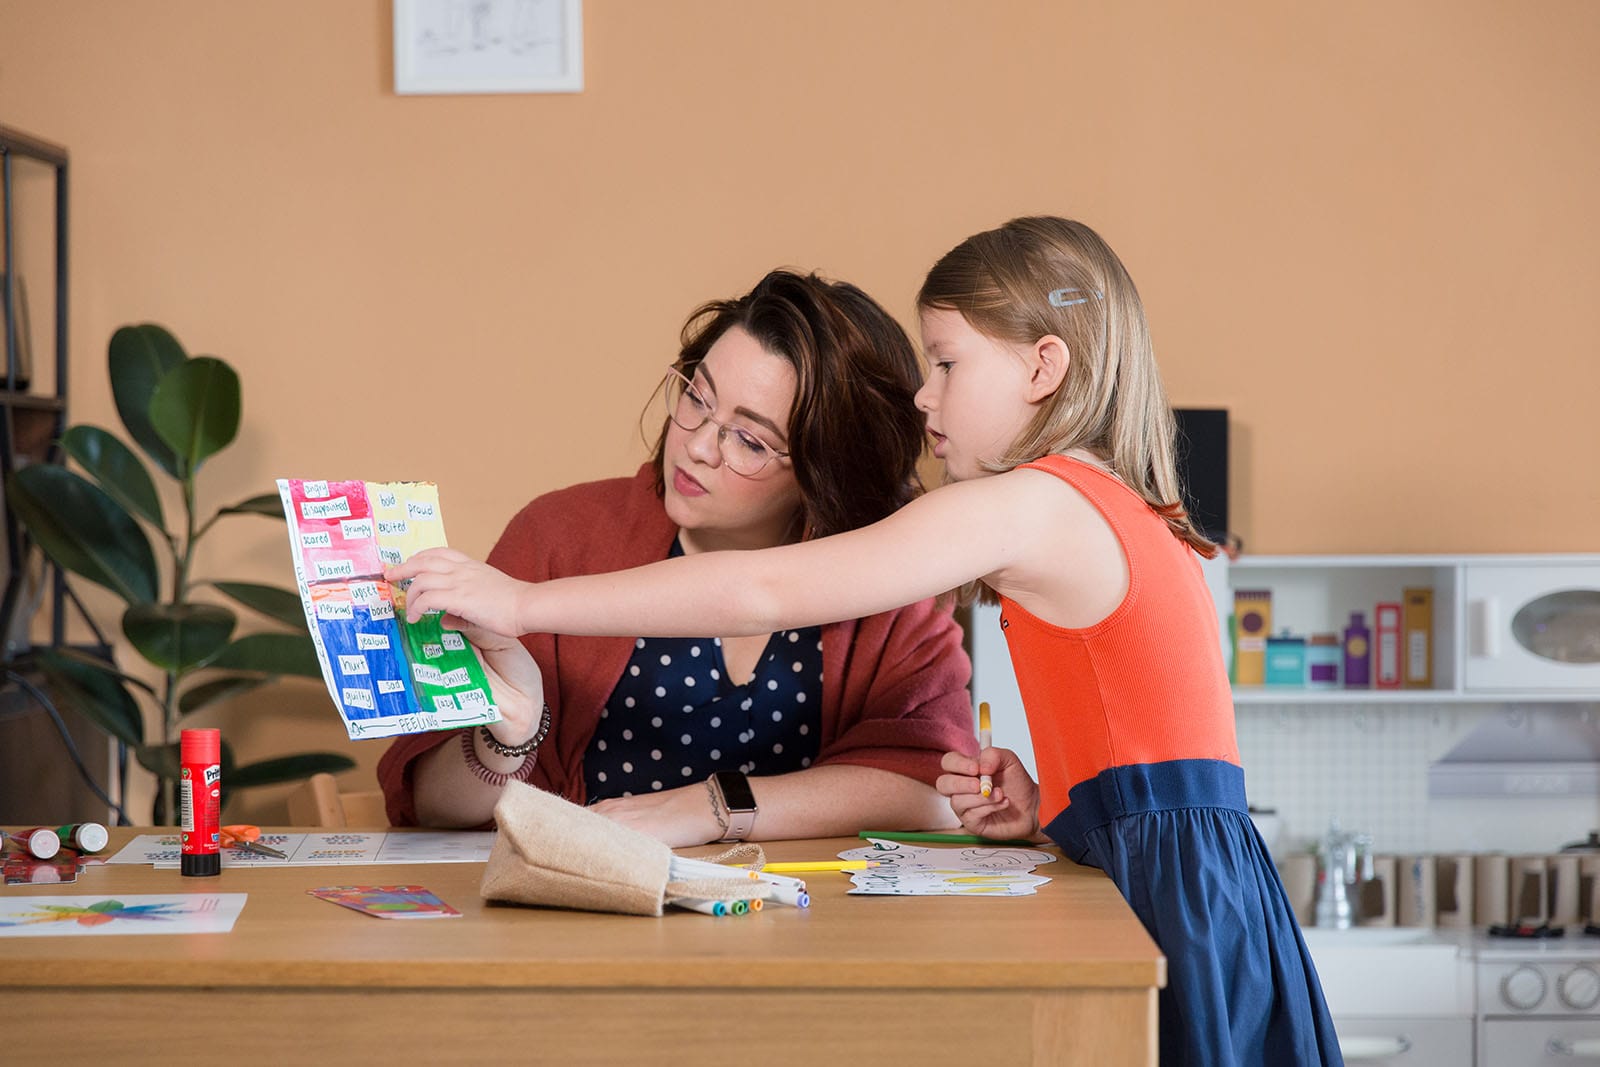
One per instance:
(788,416)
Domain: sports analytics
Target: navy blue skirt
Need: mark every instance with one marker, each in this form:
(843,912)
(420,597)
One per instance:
(1177,840)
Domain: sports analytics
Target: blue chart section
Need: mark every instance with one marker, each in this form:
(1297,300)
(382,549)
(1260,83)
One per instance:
(367,659)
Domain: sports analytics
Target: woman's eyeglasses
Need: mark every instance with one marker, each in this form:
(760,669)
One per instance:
(743,452)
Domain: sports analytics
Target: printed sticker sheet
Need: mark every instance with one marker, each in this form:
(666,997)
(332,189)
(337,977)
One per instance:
(386,676)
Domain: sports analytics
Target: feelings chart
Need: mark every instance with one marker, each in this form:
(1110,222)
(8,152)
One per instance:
(386,676)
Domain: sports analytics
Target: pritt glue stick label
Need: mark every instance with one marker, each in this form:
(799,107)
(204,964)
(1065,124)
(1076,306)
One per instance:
(200,802)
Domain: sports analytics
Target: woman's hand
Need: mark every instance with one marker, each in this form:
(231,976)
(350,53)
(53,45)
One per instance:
(676,817)
(516,680)
(468,592)
(1012,807)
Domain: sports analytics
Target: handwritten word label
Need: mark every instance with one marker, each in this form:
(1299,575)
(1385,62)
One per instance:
(382,610)
(356,529)
(421,511)
(432,651)
(315,490)
(472,699)
(392,527)
(337,508)
(335,610)
(353,664)
(453,641)
(425,674)
(391,685)
(365,592)
(387,499)
(444,702)
(317,539)
(390,556)
(372,642)
(335,568)
(359,698)
(458,677)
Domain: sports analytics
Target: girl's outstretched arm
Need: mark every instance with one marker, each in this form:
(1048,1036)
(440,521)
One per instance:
(934,544)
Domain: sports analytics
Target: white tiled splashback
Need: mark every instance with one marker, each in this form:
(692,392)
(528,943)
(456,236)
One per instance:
(1367,766)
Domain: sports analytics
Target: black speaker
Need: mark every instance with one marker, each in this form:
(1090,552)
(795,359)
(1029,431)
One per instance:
(1202,453)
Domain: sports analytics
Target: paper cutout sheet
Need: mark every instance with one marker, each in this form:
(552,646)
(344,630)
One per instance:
(326,849)
(385,675)
(129,913)
(911,870)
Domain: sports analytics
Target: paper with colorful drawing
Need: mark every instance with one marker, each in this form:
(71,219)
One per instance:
(910,870)
(386,676)
(326,849)
(133,913)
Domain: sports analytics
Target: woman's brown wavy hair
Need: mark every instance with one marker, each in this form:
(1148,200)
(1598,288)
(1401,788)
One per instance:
(854,432)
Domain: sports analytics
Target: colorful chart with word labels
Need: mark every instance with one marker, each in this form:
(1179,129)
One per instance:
(386,676)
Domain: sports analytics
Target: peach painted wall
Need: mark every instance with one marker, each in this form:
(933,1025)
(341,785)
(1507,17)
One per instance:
(1368,229)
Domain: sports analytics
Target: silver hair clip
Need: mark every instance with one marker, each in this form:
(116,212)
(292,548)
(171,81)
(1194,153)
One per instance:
(1060,299)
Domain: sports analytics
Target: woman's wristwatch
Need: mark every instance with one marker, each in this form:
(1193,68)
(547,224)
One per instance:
(733,802)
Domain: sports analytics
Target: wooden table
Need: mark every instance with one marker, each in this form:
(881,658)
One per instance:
(1067,976)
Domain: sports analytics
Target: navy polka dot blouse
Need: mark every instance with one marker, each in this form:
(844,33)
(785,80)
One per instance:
(674,718)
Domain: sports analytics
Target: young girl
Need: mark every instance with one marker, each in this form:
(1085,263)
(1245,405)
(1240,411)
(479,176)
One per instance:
(1044,401)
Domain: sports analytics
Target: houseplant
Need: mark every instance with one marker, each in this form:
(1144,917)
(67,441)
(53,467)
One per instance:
(179,411)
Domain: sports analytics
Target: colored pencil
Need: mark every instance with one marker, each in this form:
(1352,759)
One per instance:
(985,740)
(818,865)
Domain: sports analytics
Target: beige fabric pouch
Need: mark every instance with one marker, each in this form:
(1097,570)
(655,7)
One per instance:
(552,852)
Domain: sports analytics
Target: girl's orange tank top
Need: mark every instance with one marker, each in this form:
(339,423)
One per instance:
(1144,685)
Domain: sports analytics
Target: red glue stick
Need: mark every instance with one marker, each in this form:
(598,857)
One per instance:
(41,842)
(200,801)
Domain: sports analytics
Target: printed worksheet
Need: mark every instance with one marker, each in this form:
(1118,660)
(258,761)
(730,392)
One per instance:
(129,913)
(386,676)
(913,870)
(330,848)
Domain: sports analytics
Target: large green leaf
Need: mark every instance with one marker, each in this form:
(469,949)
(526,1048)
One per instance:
(196,409)
(268,504)
(84,530)
(99,663)
(118,470)
(271,654)
(270,600)
(140,356)
(176,637)
(207,693)
(287,769)
(97,695)
(161,760)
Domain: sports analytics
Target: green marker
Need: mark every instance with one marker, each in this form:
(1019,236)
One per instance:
(942,839)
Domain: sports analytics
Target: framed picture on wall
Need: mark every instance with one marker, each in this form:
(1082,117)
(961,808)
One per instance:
(488,46)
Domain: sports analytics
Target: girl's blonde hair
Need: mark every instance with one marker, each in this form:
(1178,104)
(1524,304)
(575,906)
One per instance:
(1034,277)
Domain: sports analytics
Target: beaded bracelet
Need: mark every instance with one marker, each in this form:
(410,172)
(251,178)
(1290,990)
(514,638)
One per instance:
(498,778)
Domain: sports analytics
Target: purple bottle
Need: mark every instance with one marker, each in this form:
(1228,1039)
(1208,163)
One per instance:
(1357,653)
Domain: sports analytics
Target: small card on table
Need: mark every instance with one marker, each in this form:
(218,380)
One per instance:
(388,901)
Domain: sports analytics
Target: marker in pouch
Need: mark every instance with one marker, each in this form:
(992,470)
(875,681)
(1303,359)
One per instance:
(41,842)
(83,836)
(200,801)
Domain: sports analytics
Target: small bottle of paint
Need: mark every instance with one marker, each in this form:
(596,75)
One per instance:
(1285,660)
(83,836)
(200,801)
(1357,653)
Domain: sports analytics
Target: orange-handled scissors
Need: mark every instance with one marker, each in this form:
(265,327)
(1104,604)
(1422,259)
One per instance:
(244,837)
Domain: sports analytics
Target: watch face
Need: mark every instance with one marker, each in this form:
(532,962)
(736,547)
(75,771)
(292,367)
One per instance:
(735,789)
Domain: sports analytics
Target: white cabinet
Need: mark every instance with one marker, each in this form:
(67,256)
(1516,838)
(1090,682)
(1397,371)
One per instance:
(1504,627)
(1423,1041)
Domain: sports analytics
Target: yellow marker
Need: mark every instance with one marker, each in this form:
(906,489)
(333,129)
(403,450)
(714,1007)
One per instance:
(819,865)
(985,740)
